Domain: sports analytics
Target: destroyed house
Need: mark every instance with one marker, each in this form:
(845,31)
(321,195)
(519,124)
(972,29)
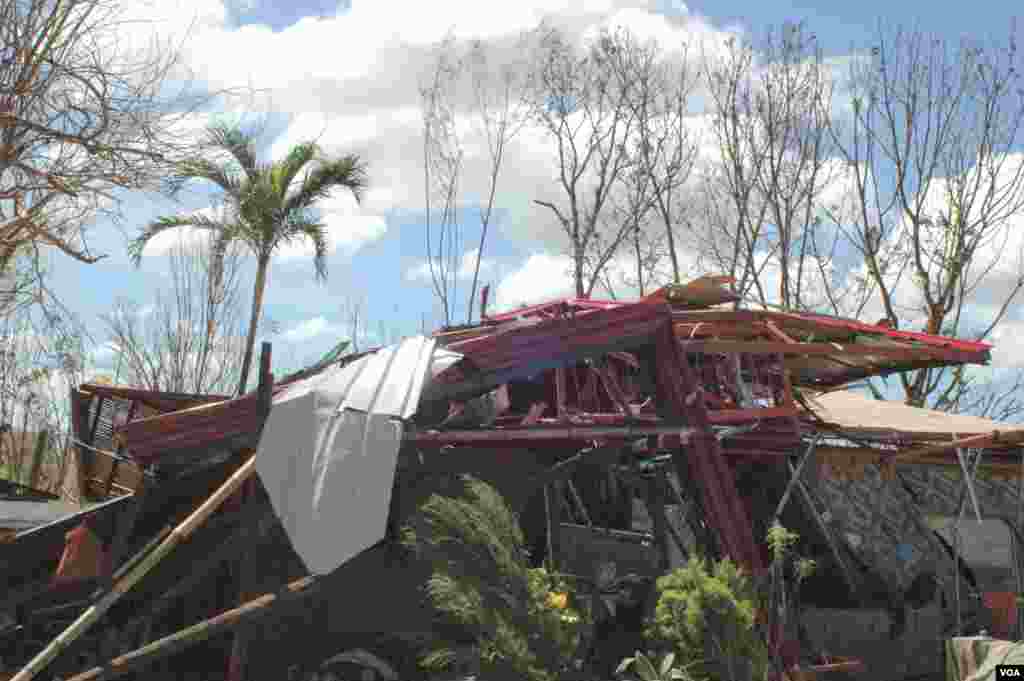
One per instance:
(625,433)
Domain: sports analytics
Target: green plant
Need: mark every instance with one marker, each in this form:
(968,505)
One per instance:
(707,618)
(647,671)
(526,623)
(785,577)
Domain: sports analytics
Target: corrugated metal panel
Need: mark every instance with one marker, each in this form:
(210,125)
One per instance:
(329,448)
(24,515)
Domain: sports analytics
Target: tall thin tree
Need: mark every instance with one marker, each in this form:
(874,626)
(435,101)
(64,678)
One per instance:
(271,205)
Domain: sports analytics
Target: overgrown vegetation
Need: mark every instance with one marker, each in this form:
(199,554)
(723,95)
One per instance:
(526,622)
(711,622)
(707,614)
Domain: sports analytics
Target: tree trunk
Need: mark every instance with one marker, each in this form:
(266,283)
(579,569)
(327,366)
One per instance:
(254,321)
(672,253)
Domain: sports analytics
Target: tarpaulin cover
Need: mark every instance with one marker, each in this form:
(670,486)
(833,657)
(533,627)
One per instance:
(975,658)
(329,448)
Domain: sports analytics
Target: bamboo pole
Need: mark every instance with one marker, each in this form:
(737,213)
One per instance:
(230,619)
(179,534)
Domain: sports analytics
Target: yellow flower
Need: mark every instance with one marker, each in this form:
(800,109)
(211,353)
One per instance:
(558,600)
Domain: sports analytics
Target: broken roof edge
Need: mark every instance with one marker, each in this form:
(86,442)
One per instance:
(923,435)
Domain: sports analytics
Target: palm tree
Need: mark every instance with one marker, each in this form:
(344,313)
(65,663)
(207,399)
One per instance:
(267,212)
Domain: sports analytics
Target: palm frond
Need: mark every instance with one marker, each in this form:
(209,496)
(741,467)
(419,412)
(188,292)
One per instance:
(348,172)
(162,224)
(286,170)
(237,142)
(203,169)
(300,228)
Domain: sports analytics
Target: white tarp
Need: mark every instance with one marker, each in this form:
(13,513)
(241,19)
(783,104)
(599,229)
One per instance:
(329,448)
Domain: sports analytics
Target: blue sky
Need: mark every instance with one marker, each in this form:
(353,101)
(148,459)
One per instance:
(351,71)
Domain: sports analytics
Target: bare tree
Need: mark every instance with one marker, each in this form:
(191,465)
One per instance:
(41,356)
(500,113)
(442,173)
(665,147)
(933,139)
(578,103)
(81,118)
(468,92)
(190,338)
(771,116)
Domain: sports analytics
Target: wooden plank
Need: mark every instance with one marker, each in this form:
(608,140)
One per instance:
(788,398)
(986,441)
(724,416)
(125,474)
(678,390)
(824,349)
(778,333)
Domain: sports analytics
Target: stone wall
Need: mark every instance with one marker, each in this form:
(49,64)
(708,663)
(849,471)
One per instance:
(884,518)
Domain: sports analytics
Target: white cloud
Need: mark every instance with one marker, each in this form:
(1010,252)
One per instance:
(419,273)
(309,329)
(541,277)
(467,264)
(348,228)
(1008,339)
(360,90)
(165,242)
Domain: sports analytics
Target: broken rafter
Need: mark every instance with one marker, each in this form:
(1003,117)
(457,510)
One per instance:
(546,433)
(824,349)
(684,398)
(612,387)
(774,330)
(985,441)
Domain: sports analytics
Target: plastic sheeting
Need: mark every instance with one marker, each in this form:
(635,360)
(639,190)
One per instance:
(329,448)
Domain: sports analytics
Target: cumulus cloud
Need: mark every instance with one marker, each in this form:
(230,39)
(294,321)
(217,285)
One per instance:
(165,242)
(371,106)
(467,264)
(348,228)
(1008,339)
(309,329)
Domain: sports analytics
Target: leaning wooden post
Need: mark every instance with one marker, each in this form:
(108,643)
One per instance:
(178,535)
(239,646)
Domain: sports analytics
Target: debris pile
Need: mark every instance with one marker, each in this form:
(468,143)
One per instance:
(256,537)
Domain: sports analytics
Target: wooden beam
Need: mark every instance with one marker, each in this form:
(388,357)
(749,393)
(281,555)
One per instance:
(127,474)
(725,416)
(823,349)
(612,387)
(788,398)
(778,333)
(561,390)
(546,433)
(986,441)
(683,397)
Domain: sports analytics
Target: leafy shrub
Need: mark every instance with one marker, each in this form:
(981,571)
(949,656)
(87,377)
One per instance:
(525,622)
(707,617)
